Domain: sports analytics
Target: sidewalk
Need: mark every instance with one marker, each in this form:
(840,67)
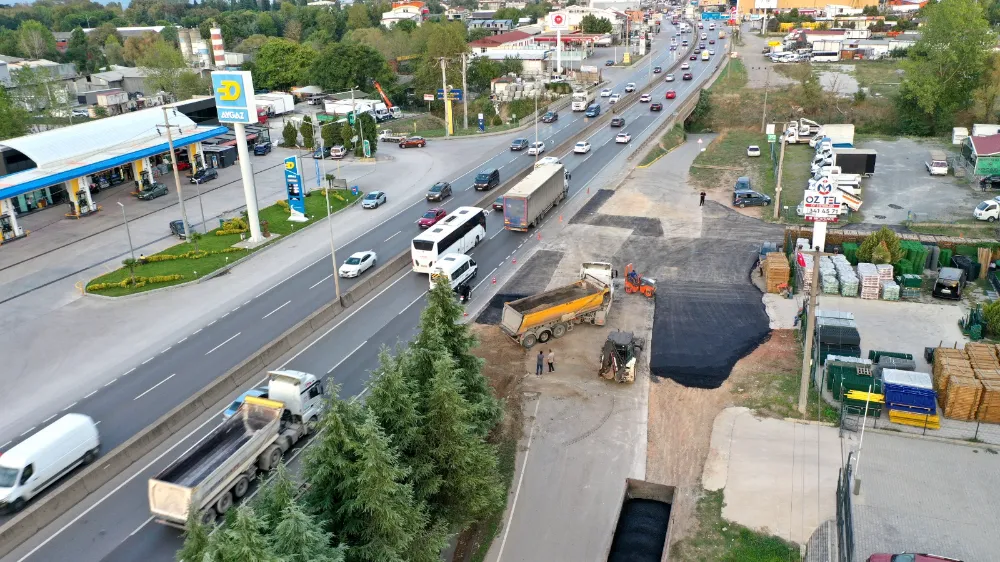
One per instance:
(61,345)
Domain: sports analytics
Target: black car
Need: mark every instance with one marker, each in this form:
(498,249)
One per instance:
(750,198)
(609,62)
(262,148)
(949,284)
(656,107)
(657,70)
(486,180)
(990,182)
(204,175)
(177,228)
(439,191)
(498,203)
(618,122)
(518,145)
(550,117)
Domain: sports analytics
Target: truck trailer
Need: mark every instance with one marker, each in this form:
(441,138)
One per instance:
(642,527)
(859,161)
(219,470)
(277,103)
(839,135)
(582,100)
(551,314)
(528,201)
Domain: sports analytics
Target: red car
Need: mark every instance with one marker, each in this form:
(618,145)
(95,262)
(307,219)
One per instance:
(693,57)
(411,142)
(431,217)
(671,94)
(183,165)
(910,557)
(656,107)
(688,76)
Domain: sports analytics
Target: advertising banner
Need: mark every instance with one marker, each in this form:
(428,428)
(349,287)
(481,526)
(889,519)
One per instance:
(295,189)
(234,98)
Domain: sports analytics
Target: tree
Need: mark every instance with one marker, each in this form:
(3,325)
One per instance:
(357,16)
(481,73)
(164,65)
(10,43)
(406,26)
(330,132)
(948,61)
(113,50)
(329,462)
(170,35)
(592,24)
(136,47)
(289,135)
(242,539)
(298,538)
(512,14)
(196,538)
(13,117)
(477,33)
(343,66)
(280,64)
(367,130)
(991,316)
(988,92)
(346,134)
(881,246)
(308,133)
(76,50)
(275,497)
(190,84)
(37,41)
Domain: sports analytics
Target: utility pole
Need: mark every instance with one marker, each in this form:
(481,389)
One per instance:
(465,91)
(777,188)
(763,115)
(177,175)
(444,95)
(329,215)
(810,330)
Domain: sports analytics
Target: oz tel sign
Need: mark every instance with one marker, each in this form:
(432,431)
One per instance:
(234,99)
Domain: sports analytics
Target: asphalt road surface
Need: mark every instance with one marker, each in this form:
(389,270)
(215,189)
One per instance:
(119,527)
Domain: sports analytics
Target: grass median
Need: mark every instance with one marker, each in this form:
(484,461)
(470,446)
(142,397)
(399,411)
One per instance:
(211,251)
(669,141)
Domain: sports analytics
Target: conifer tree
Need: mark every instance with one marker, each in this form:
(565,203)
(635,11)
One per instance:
(196,538)
(242,540)
(299,538)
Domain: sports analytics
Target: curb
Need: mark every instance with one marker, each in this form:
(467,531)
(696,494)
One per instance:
(657,159)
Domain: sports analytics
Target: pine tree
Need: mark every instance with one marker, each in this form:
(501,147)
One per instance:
(299,538)
(243,539)
(290,135)
(470,485)
(306,128)
(328,465)
(196,539)
(275,497)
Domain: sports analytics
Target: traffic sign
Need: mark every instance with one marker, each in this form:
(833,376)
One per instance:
(428,97)
(453,95)
(772,138)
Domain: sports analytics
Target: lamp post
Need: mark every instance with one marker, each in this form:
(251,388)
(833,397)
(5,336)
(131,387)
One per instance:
(329,215)
(128,233)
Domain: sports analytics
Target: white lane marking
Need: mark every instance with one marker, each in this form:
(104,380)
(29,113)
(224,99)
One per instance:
(184,339)
(212,322)
(391,237)
(30,429)
(98,422)
(223,343)
(355,350)
(167,349)
(68,407)
(139,528)
(248,302)
(501,166)
(224,315)
(273,311)
(48,419)
(153,387)
(520,479)
(498,232)
(412,302)
(109,383)
(314,285)
(5,444)
(512,160)
(196,331)
(129,372)
(89,395)
(147,361)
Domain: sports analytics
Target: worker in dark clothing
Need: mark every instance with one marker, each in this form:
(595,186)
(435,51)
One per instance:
(539,361)
(465,291)
(701,202)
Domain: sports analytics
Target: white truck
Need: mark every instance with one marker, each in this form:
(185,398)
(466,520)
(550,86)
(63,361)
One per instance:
(987,211)
(582,100)
(801,131)
(386,135)
(837,134)
(218,471)
(277,103)
(528,201)
(836,174)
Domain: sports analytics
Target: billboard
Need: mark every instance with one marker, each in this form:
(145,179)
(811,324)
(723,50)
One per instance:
(234,97)
(765,4)
(823,203)
(294,188)
(558,21)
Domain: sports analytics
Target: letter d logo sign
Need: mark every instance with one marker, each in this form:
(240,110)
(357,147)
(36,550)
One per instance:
(229,90)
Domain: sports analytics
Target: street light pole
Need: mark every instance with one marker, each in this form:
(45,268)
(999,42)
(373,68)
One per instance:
(128,233)
(177,175)
(536,128)
(329,215)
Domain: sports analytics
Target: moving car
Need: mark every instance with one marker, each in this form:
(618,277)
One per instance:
(645,98)
(262,148)
(177,228)
(439,191)
(987,211)
(204,175)
(711,41)
(687,76)
(657,70)
(260,392)
(550,117)
(614,98)
(609,62)
(373,200)
(622,138)
(456,269)
(685,66)
(593,111)
(338,152)
(618,122)
(750,198)
(910,557)
(671,94)
(431,217)
(630,87)
(656,107)
(606,92)
(581,147)
(548,160)
(536,148)
(45,457)
(753,150)
(669,77)
(486,179)
(673,47)
(711,52)
(498,203)
(358,263)
(518,144)
(153,191)
(701,46)
(413,142)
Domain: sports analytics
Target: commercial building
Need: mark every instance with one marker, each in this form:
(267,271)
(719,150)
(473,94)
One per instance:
(495,26)
(770,6)
(982,153)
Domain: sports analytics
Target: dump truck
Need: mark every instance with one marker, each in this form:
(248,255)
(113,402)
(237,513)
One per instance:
(581,100)
(219,470)
(552,313)
(528,201)
(642,527)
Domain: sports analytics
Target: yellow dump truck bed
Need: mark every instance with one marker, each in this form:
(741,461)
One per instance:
(558,305)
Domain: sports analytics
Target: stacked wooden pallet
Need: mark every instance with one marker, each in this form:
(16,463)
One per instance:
(776,271)
(989,403)
(960,400)
(950,362)
(884,271)
(870,283)
(982,355)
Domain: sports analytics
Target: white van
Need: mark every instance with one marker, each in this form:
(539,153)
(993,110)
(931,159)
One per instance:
(458,269)
(42,459)
(938,165)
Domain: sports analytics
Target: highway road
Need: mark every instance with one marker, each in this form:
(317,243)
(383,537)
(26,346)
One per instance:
(118,527)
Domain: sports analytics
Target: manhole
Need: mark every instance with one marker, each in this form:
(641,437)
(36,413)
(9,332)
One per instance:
(894,206)
(880,216)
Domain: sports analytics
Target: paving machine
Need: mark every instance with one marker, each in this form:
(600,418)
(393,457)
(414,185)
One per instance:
(635,283)
(619,356)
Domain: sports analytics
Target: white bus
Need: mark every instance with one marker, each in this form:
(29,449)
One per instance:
(457,233)
(825,56)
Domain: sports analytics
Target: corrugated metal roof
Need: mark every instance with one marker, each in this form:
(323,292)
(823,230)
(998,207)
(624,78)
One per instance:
(986,146)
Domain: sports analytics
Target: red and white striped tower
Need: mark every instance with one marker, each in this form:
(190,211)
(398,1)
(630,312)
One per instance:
(218,50)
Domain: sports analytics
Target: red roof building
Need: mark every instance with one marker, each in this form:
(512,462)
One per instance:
(508,40)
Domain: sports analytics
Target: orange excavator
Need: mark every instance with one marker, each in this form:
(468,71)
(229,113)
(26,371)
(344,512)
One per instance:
(381,92)
(635,283)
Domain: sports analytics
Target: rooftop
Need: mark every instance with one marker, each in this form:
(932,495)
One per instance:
(986,146)
(500,39)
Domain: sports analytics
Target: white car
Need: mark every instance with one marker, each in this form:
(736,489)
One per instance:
(548,160)
(711,52)
(582,147)
(623,138)
(685,66)
(606,92)
(614,98)
(753,150)
(645,98)
(630,87)
(358,263)
(373,200)
(704,36)
(536,148)
(669,78)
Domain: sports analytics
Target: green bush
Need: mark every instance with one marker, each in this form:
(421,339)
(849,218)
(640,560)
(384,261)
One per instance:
(134,282)
(991,315)
(881,247)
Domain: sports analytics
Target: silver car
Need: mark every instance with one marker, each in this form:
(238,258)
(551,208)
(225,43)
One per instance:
(373,200)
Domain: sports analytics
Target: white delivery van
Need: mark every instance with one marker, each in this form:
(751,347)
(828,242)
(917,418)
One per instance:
(42,459)
(457,269)
(938,164)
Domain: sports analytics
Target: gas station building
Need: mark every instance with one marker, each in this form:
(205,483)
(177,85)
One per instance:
(63,166)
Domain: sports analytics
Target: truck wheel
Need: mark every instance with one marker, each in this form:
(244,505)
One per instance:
(270,458)
(528,341)
(991,219)
(544,336)
(559,330)
(241,487)
(208,516)
(224,503)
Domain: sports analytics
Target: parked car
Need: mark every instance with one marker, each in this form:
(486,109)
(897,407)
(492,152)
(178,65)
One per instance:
(750,198)
(439,191)
(990,182)
(753,151)
(320,153)
(431,217)
(614,99)
(550,117)
(742,184)
(630,87)
(669,77)
(656,106)
(657,69)
(949,285)
(260,392)
(80,113)
(645,98)
(486,179)
(338,152)
(536,148)
(262,148)
(623,138)
(373,199)
(618,122)
(413,142)
(910,557)
(609,62)
(177,228)
(498,203)
(204,175)
(153,191)
(671,94)
(687,76)
(518,144)
(581,147)
(358,263)
(183,165)
(606,92)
